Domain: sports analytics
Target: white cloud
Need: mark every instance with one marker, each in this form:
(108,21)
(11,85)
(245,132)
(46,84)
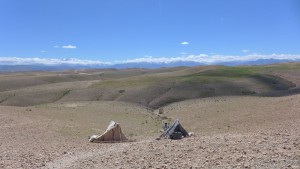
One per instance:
(200,58)
(69,47)
(56,46)
(213,59)
(184,43)
(42,51)
(245,50)
(48,61)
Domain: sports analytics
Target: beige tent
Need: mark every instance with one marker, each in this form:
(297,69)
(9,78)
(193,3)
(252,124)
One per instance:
(113,133)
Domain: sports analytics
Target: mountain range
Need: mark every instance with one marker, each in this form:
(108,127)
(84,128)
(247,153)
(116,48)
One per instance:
(148,65)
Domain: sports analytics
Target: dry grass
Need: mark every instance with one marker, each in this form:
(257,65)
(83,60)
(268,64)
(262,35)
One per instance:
(235,114)
(87,118)
(55,135)
(233,130)
(149,87)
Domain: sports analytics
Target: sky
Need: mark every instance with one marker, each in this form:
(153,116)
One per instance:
(112,31)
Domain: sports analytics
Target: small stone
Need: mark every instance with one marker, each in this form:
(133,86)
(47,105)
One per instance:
(246,165)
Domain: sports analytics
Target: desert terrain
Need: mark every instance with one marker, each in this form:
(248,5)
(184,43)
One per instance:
(242,117)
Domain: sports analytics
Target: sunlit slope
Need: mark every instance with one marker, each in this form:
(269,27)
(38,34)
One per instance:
(148,87)
(235,114)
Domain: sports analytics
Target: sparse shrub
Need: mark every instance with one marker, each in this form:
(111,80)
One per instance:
(160,111)
(247,92)
(130,134)
(164,117)
(64,93)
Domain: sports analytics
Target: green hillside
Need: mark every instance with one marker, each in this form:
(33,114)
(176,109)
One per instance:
(148,87)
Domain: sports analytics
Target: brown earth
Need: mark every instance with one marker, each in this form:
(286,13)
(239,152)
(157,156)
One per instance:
(230,132)
(46,117)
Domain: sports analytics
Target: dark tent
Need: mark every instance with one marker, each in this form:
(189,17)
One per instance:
(175,131)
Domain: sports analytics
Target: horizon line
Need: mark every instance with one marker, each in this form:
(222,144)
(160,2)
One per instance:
(200,58)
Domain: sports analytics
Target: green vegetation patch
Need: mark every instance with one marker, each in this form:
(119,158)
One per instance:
(56,79)
(274,82)
(233,72)
(138,81)
(3,100)
(63,94)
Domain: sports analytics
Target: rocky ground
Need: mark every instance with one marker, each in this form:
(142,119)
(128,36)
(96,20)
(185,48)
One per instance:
(270,149)
(39,142)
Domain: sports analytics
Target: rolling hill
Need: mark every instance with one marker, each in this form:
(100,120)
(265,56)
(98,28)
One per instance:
(152,88)
(236,120)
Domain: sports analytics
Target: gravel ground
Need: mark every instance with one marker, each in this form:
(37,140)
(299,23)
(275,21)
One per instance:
(270,149)
(27,142)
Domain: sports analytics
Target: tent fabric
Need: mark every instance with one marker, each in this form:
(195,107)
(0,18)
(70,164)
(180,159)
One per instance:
(175,129)
(113,133)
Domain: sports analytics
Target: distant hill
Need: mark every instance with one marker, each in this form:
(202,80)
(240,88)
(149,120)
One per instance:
(256,62)
(41,67)
(148,65)
(152,88)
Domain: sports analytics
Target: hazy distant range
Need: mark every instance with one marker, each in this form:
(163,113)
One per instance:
(146,65)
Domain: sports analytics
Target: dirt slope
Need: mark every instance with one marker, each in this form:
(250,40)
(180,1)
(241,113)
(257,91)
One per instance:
(147,87)
(263,133)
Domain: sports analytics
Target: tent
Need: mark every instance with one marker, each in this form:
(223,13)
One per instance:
(175,131)
(113,133)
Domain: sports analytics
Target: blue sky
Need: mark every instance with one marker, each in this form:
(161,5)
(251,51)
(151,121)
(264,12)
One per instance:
(119,30)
